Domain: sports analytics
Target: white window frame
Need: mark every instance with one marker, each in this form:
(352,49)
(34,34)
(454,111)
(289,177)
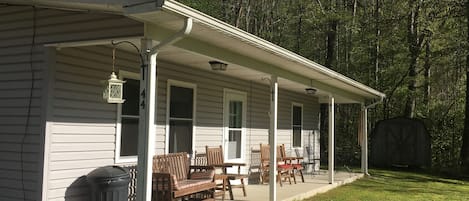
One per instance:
(178,83)
(294,104)
(118,158)
(227,91)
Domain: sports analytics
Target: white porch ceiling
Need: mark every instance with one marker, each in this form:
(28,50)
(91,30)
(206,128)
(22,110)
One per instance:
(184,58)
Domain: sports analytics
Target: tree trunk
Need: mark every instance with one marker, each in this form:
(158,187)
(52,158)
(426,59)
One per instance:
(465,137)
(427,65)
(414,48)
(331,44)
(299,27)
(349,43)
(377,35)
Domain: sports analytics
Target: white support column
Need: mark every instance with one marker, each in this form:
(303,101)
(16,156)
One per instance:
(362,137)
(365,140)
(331,139)
(146,129)
(273,139)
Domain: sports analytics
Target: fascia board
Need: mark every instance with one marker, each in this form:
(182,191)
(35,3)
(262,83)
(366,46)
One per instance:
(244,36)
(196,46)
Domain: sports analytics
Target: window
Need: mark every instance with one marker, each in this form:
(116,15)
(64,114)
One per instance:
(297,124)
(128,119)
(180,116)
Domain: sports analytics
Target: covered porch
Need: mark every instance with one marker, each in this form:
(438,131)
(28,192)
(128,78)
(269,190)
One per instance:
(176,49)
(313,185)
(187,37)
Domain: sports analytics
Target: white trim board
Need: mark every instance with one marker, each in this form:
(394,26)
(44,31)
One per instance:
(117,158)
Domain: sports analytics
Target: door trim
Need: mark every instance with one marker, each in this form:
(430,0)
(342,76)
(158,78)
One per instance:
(243,94)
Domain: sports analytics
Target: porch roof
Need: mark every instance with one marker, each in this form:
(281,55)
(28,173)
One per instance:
(218,40)
(249,57)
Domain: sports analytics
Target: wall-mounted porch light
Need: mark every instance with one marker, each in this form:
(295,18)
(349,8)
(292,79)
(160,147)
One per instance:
(218,66)
(113,87)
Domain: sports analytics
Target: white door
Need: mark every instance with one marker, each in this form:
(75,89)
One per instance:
(234,112)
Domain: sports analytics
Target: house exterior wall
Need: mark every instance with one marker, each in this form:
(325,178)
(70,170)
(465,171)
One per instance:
(23,32)
(83,128)
(209,110)
(68,118)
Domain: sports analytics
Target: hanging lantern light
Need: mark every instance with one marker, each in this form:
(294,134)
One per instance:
(113,87)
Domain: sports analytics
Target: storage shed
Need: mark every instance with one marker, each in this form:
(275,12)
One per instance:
(400,142)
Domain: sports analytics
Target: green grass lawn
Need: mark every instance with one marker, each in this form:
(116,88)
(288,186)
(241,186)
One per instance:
(402,186)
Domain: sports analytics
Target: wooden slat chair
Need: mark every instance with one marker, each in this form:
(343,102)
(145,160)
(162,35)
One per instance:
(174,179)
(200,159)
(295,161)
(283,170)
(215,158)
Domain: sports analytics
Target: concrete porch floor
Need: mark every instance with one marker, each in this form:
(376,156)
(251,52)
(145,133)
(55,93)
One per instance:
(312,186)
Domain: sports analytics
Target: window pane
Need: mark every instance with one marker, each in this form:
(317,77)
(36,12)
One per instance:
(296,136)
(129,133)
(296,115)
(131,96)
(234,144)
(180,136)
(181,102)
(236,116)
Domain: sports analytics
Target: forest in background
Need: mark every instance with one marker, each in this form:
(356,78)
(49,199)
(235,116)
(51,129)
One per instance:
(412,50)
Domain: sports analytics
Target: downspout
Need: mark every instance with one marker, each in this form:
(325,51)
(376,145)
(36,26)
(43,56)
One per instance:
(148,111)
(365,135)
(375,103)
(186,30)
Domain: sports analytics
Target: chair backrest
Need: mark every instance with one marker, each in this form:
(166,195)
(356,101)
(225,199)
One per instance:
(265,152)
(200,159)
(264,155)
(214,155)
(173,163)
(281,153)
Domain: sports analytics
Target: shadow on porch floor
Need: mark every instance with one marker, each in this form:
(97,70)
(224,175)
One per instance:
(312,186)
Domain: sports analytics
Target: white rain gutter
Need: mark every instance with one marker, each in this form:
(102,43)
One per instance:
(148,88)
(260,43)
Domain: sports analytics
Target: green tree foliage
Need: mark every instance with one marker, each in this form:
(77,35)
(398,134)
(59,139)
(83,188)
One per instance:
(412,50)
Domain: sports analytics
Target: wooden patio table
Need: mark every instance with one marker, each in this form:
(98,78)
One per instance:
(227,175)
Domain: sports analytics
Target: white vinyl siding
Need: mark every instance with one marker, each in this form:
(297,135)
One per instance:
(83,124)
(209,109)
(52,26)
(81,127)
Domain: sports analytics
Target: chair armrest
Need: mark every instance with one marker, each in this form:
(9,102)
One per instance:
(201,172)
(163,181)
(200,167)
